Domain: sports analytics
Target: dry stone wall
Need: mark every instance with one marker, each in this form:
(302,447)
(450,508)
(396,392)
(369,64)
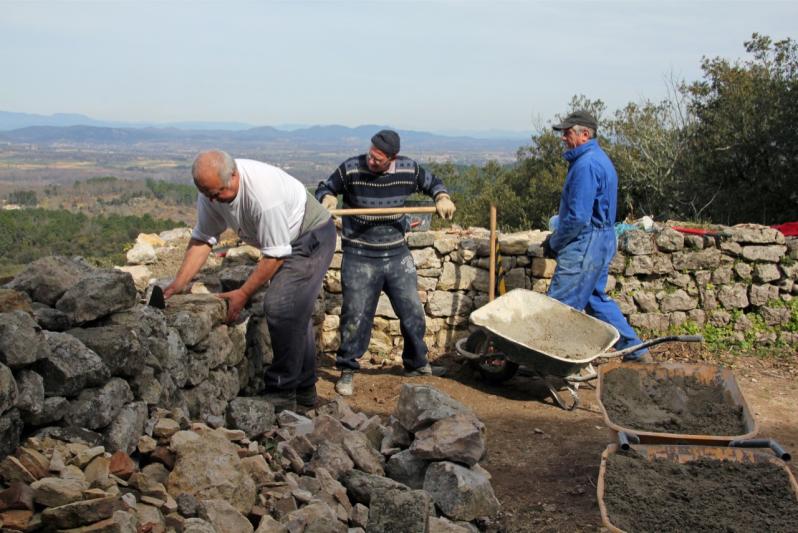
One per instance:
(661,280)
(78,347)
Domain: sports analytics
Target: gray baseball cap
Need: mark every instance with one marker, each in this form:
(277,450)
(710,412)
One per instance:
(577,118)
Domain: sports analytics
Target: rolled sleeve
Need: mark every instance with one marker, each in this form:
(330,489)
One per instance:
(210,224)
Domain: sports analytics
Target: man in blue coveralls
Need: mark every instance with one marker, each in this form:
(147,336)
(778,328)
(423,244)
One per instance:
(584,240)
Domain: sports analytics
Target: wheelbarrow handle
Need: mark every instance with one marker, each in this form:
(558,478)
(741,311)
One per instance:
(780,452)
(653,342)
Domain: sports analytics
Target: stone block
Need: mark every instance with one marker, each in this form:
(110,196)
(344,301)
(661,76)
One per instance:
(669,240)
(702,260)
(770,254)
(444,303)
(766,272)
(760,295)
(733,296)
(637,242)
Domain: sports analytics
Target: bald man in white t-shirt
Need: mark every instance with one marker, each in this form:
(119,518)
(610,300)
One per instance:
(271,210)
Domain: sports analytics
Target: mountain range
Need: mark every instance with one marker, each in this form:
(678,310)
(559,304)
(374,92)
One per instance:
(76,128)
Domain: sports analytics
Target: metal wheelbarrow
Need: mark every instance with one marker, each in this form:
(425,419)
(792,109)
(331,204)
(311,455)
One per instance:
(549,339)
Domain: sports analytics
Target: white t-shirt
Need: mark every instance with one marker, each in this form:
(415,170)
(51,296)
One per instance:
(266,213)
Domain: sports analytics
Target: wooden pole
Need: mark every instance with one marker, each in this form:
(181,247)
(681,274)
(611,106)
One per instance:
(381,211)
(492,264)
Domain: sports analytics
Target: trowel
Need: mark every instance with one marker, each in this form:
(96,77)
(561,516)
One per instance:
(156,298)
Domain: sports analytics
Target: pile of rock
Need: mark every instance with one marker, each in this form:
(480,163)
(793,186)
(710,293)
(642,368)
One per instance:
(333,470)
(77,348)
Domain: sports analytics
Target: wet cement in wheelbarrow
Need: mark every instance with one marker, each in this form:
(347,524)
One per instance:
(681,404)
(701,495)
(549,335)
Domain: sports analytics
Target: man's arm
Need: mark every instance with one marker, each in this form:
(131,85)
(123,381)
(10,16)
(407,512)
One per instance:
(196,254)
(432,185)
(332,186)
(237,299)
(578,197)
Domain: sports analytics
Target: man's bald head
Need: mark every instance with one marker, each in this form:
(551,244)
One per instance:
(211,164)
(214,173)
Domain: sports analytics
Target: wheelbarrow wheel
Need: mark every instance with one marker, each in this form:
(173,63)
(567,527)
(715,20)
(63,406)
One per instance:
(492,365)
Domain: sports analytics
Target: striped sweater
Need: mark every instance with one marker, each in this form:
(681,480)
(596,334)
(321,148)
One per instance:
(377,236)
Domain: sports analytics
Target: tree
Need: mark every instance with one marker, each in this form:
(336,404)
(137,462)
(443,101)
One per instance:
(649,140)
(744,147)
(26,198)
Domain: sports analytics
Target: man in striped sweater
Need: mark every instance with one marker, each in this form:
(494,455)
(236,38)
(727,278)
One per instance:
(376,257)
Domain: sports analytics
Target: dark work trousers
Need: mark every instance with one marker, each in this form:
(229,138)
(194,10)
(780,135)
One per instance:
(289,304)
(362,279)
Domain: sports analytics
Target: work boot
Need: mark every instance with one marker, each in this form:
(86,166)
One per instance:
(426,370)
(306,396)
(345,386)
(282,400)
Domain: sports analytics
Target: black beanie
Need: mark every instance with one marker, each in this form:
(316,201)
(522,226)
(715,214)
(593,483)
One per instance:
(387,142)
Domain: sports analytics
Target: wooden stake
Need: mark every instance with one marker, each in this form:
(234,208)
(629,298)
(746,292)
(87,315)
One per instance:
(492,263)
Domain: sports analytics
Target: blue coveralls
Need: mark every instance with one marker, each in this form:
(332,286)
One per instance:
(585,240)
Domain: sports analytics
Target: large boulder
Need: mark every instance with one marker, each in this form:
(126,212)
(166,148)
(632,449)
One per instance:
(254,416)
(30,387)
(405,467)
(316,517)
(71,366)
(224,517)
(124,431)
(12,300)
(48,278)
(119,347)
(97,408)
(208,467)
(459,438)
(21,340)
(460,493)
(98,295)
(10,431)
(398,511)
(212,395)
(420,406)
(8,389)
(362,486)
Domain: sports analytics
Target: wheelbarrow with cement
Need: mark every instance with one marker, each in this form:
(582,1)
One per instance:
(549,339)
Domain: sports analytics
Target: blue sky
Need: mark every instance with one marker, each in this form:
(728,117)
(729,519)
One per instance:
(427,65)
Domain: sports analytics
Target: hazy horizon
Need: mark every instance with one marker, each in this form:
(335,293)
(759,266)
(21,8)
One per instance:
(439,65)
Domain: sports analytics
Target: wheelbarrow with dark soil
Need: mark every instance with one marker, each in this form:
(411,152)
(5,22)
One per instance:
(696,488)
(526,330)
(674,403)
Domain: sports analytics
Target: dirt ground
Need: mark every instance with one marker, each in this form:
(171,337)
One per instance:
(544,460)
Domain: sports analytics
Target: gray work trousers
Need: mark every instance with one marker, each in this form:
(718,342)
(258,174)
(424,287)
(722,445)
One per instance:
(289,304)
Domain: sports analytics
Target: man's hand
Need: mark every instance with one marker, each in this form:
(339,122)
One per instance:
(547,251)
(236,300)
(171,289)
(444,206)
(329,202)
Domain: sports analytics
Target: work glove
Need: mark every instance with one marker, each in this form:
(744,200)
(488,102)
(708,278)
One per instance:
(329,202)
(547,251)
(444,206)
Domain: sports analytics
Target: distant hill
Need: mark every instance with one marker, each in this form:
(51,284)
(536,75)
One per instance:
(315,137)
(14,121)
